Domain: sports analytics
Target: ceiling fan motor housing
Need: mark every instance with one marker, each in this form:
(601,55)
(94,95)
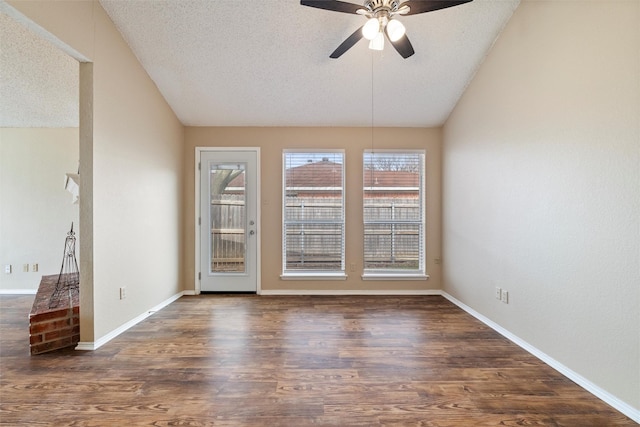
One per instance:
(374,6)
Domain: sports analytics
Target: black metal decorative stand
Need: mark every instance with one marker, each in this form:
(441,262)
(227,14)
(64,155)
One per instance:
(69,277)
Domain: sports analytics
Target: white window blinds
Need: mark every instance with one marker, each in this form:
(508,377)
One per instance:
(313,212)
(394,218)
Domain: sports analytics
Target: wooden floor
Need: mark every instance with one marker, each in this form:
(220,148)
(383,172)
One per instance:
(290,361)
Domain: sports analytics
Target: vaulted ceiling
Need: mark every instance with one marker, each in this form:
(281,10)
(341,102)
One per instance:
(265,63)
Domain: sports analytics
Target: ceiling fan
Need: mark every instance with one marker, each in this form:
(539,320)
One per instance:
(381,20)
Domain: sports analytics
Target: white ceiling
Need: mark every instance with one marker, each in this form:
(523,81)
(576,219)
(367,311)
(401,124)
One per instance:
(266,63)
(38,82)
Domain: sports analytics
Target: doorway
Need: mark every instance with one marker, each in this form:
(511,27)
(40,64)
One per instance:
(228,219)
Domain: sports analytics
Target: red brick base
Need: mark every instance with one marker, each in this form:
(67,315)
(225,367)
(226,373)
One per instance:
(53,328)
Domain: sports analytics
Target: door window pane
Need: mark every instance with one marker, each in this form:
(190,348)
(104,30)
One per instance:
(227,218)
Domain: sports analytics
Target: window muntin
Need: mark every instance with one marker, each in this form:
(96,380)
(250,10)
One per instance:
(394,214)
(313,212)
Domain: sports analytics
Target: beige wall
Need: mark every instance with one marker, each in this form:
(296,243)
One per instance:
(272,141)
(137,185)
(541,191)
(36,211)
(131,161)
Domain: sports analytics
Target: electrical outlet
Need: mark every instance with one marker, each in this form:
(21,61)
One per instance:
(25,268)
(34,267)
(498,293)
(123,292)
(7,269)
(352,267)
(505,296)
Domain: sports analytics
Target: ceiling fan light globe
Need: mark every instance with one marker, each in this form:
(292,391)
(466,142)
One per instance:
(378,42)
(395,30)
(371,29)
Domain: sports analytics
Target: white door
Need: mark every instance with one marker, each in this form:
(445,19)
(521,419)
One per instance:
(228,221)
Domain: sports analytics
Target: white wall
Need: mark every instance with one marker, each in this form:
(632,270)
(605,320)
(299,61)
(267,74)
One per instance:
(541,188)
(36,211)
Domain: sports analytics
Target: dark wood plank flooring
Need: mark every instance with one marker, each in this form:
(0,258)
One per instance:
(290,361)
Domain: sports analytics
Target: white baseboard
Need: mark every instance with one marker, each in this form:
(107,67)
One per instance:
(189,292)
(338,292)
(94,345)
(18,291)
(85,346)
(601,394)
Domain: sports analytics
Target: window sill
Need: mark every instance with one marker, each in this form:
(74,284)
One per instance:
(395,276)
(313,276)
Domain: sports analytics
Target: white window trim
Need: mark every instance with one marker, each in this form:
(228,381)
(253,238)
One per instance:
(378,275)
(313,274)
(302,275)
(420,273)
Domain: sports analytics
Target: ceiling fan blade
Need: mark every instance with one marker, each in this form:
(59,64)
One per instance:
(334,5)
(347,44)
(422,6)
(403,45)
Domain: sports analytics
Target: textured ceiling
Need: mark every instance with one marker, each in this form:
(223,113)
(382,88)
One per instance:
(266,63)
(38,82)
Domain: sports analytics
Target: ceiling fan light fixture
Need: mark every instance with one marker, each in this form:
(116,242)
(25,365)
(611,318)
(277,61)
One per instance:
(378,42)
(380,23)
(371,29)
(395,30)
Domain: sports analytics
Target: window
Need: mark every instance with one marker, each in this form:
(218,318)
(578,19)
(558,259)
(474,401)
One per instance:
(394,218)
(313,213)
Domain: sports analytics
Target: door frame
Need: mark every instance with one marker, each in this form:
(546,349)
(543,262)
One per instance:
(198,152)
